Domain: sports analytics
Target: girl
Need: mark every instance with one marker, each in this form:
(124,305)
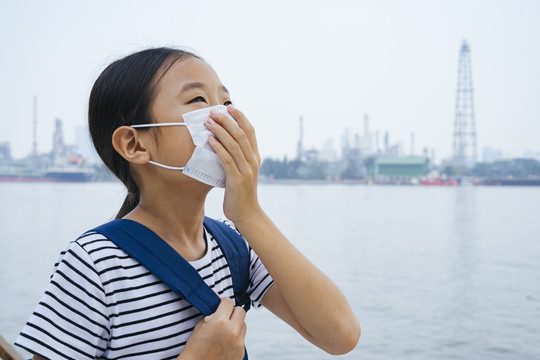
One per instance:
(103,304)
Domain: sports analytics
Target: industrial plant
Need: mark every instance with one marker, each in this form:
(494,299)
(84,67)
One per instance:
(369,157)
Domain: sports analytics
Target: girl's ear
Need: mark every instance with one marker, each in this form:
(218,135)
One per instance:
(127,142)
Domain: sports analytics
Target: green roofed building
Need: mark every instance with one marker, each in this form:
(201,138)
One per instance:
(402,167)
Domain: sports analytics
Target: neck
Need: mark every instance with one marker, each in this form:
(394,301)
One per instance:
(176,216)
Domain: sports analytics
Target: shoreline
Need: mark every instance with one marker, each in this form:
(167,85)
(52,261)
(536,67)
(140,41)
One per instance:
(484,182)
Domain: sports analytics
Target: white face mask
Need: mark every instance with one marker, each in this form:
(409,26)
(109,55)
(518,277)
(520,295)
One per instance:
(204,165)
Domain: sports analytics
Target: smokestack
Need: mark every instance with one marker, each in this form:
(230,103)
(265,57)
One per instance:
(366,138)
(34,130)
(300,148)
(366,125)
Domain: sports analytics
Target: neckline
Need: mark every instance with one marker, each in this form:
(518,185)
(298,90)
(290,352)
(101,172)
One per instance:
(206,236)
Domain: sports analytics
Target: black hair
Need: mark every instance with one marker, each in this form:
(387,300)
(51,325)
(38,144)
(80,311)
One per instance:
(122,95)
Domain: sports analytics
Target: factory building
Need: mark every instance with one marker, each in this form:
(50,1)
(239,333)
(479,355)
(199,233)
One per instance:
(402,167)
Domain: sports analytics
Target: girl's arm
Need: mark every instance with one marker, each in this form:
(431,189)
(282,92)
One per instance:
(302,295)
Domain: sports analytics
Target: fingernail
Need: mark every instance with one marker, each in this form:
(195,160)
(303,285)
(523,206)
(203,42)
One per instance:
(214,112)
(211,139)
(231,107)
(210,122)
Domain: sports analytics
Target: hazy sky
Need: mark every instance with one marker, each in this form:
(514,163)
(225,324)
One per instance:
(330,61)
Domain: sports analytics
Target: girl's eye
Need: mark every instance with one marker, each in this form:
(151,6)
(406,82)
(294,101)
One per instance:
(198,99)
(227,103)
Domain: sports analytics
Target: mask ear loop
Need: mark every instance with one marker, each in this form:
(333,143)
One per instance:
(161,124)
(158,124)
(167,166)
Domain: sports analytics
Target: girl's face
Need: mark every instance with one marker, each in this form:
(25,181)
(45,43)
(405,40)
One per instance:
(188,85)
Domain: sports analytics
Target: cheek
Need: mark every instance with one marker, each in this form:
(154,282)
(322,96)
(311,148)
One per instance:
(177,150)
(184,147)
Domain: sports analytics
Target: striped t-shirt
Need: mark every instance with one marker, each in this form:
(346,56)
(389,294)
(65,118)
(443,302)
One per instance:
(103,304)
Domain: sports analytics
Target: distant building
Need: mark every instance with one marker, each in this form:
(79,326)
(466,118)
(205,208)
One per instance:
(5,151)
(300,145)
(353,167)
(491,155)
(311,155)
(402,167)
(532,155)
(367,138)
(84,144)
(59,151)
(328,152)
(345,143)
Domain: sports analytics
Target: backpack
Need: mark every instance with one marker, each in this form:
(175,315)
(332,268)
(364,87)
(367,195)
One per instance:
(169,266)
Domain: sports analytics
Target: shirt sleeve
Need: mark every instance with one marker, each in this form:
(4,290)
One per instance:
(260,279)
(71,320)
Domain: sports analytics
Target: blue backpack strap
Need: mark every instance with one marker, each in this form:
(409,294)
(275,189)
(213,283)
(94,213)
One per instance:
(169,266)
(236,252)
(143,244)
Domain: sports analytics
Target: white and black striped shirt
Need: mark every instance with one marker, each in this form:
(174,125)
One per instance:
(103,304)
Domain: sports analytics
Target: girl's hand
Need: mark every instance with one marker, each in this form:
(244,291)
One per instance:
(218,336)
(236,146)
(302,295)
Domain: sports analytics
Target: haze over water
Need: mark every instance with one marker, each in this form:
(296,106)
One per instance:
(431,273)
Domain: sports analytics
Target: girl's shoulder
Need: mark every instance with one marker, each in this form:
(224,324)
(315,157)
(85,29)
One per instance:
(98,247)
(94,253)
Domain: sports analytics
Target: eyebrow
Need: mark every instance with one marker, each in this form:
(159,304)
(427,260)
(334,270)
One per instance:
(198,85)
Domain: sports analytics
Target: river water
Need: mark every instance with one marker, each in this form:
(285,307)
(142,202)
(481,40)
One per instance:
(431,272)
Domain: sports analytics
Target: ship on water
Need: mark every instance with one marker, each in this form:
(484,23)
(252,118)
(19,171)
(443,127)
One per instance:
(24,173)
(62,164)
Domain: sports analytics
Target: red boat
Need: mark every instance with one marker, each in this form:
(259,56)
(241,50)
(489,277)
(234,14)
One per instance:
(438,181)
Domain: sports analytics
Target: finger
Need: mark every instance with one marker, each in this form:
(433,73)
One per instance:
(232,146)
(208,317)
(243,331)
(239,136)
(224,310)
(246,126)
(238,314)
(226,159)
(226,306)
(238,319)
